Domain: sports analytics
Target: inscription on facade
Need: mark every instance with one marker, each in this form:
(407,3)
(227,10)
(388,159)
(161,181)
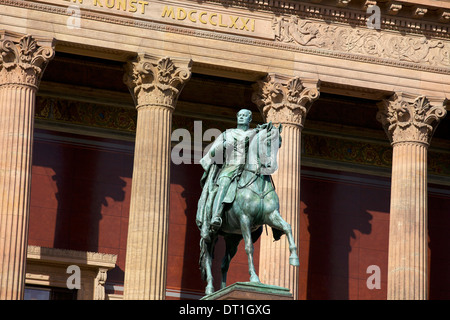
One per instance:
(209,18)
(181,13)
(121,5)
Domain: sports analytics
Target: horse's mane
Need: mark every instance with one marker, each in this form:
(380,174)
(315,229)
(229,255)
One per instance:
(265,148)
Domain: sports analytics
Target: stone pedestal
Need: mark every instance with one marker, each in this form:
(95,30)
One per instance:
(409,122)
(250,291)
(23,60)
(286,101)
(155,84)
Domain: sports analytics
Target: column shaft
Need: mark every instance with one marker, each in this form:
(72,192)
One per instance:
(274,262)
(407,266)
(285,100)
(16,138)
(147,240)
(22,64)
(155,84)
(409,122)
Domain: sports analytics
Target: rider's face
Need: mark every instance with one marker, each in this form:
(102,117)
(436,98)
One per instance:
(244,117)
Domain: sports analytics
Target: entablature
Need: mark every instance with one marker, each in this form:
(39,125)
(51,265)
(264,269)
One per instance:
(327,40)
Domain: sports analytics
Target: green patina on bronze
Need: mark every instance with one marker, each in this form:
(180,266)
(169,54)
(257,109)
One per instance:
(238,195)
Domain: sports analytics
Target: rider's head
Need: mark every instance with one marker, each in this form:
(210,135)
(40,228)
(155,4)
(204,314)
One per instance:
(244,117)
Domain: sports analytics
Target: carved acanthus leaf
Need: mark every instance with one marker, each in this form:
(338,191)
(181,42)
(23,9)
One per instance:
(410,120)
(284,100)
(23,60)
(156,81)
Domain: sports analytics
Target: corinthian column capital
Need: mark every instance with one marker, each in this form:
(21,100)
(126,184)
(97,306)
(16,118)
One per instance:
(286,100)
(156,81)
(408,118)
(23,58)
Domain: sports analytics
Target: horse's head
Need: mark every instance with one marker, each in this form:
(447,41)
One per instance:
(263,149)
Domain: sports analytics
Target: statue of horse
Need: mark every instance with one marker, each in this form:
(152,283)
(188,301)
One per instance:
(256,204)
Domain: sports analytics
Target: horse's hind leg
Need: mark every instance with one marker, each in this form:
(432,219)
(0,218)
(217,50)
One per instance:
(206,264)
(276,221)
(232,242)
(209,278)
(247,235)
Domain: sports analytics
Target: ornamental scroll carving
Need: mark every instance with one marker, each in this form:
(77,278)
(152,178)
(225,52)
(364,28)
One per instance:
(410,120)
(285,100)
(23,60)
(361,41)
(156,81)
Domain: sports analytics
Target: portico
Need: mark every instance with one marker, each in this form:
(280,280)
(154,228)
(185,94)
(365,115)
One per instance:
(287,55)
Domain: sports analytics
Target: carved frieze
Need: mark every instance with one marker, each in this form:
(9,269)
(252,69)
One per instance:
(22,59)
(409,119)
(285,100)
(155,81)
(367,42)
(332,31)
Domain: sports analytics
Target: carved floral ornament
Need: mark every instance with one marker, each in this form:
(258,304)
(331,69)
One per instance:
(285,100)
(408,120)
(156,81)
(24,61)
(369,42)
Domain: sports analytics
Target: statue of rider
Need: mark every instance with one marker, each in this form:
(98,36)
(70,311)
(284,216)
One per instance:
(229,153)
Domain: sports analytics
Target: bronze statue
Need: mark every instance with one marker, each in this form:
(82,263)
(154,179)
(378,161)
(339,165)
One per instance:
(238,195)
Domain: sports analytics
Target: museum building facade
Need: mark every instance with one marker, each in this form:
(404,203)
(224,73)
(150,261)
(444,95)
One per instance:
(106,107)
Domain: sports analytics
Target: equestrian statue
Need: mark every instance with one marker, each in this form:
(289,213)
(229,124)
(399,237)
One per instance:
(238,196)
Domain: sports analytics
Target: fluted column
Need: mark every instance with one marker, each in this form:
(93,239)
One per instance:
(285,100)
(409,122)
(155,84)
(22,61)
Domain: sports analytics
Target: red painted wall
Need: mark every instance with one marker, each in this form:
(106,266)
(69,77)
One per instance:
(80,194)
(80,201)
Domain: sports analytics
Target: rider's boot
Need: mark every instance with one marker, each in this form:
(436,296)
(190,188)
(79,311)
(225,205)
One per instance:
(216,220)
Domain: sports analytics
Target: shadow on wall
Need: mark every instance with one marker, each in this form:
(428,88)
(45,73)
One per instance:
(184,236)
(337,217)
(82,189)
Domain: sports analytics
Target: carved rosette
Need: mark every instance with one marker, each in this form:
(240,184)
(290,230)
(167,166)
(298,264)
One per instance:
(155,81)
(406,119)
(285,100)
(23,60)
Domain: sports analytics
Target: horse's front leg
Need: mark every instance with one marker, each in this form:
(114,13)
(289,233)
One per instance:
(247,235)
(276,221)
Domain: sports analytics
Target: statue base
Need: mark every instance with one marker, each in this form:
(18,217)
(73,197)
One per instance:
(250,291)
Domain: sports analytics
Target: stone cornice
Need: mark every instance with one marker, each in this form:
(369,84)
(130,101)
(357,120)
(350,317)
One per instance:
(80,258)
(331,11)
(306,10)
(435,62)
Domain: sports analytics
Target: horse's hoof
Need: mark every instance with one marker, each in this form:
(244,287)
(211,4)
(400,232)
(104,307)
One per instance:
(209,290)
(293,261)
(254,278)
